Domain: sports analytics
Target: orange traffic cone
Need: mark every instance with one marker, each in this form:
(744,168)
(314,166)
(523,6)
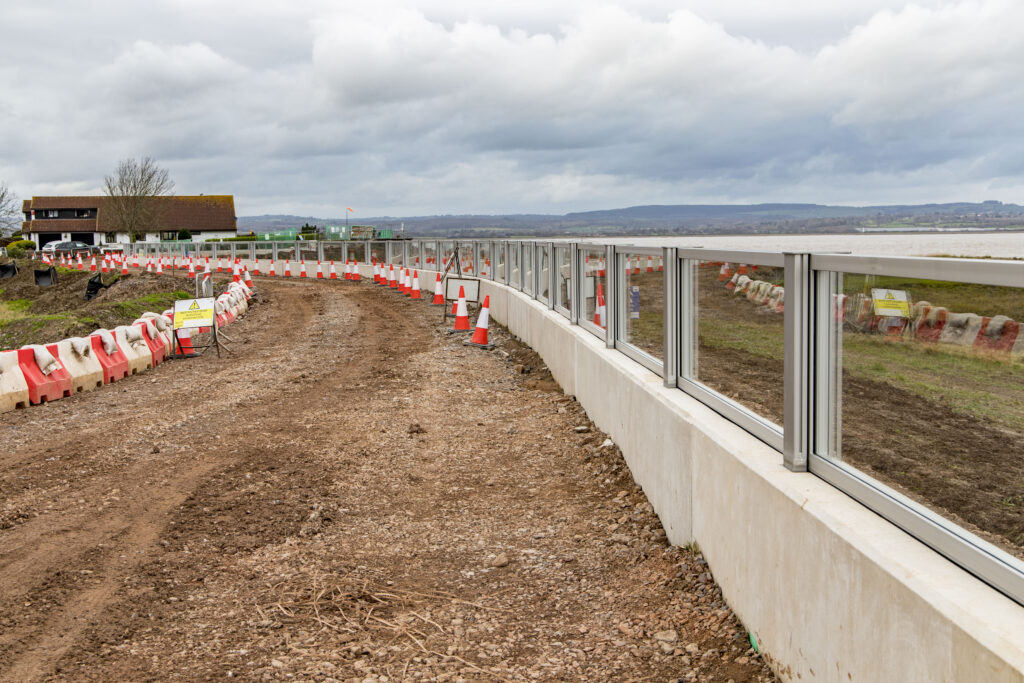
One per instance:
(392,282)
(461,313)
(724,273)
(246,277)
(184,348)
(319,271)
(236,276)
(271,273)
(438,294)
(302,268)
(256,266)
(333,272)
(159,267)
(376,273)
(415,291)
(220,265)
(599,309)
(92,266)
(355,270)
(407,282)
(191,269)
(124,267)
(287,268)
(650,264)
(479,338)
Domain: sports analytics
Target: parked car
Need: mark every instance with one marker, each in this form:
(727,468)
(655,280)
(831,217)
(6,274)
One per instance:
(74,247)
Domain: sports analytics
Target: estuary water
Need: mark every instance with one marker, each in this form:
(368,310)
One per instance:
(996,245)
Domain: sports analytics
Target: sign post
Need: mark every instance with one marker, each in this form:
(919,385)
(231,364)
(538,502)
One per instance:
(892,308)
(195,314)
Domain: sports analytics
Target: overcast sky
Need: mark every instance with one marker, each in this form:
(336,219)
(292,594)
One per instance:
(462,106)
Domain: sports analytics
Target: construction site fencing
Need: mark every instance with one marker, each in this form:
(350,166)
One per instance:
(917,415)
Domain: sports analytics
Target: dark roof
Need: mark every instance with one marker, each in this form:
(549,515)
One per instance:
(43,203)
(60,225)
(193,213)
(196,213)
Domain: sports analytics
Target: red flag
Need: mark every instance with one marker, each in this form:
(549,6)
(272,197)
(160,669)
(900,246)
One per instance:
(350,209)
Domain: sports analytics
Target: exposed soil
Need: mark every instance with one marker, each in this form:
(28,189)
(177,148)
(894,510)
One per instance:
(352,494)
(968,469)
(60,311)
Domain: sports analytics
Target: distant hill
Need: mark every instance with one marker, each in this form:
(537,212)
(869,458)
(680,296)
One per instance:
(684,218)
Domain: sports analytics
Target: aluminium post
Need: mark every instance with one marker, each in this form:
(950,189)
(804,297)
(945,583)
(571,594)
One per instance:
(797,363)
(573,289)
(670,322)
(552,280)
(611,304)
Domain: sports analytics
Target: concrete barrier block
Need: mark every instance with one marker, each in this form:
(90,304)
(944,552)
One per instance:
(134,347)
(78,358)
(961,329)
(13,387)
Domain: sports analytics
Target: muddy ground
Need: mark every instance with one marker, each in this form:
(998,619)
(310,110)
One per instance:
(350,495)
(60,311)
(965,467)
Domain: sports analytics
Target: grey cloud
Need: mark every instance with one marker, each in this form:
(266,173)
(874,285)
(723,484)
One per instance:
(455,106)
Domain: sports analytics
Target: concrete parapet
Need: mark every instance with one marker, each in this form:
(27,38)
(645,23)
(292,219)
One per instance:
(831,590)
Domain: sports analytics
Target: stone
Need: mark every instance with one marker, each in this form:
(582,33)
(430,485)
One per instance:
(500,561)
(581,429)
(669,636)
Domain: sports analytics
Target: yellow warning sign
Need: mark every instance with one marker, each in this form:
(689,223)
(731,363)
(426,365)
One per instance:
(193,313)
(892,303)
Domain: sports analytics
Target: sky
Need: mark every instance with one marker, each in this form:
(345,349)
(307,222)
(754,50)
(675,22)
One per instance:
(462,106)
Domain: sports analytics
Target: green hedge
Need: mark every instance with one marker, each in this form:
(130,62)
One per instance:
(18,248)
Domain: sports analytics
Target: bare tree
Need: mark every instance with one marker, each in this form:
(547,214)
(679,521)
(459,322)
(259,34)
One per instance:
(131,192)
(10,212)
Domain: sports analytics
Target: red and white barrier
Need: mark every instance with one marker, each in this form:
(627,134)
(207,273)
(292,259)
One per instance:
(13,387)
(78,358)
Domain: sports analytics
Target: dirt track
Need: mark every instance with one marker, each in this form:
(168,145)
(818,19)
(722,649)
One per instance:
(351,495)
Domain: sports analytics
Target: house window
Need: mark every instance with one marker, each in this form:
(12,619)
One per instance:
(82,213)
(52,213)
(109,237)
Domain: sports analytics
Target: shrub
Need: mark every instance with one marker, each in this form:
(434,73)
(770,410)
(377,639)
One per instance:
(184,234)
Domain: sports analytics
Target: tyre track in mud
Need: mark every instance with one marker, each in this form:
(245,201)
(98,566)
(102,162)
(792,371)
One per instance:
(111,488)
(154,533)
